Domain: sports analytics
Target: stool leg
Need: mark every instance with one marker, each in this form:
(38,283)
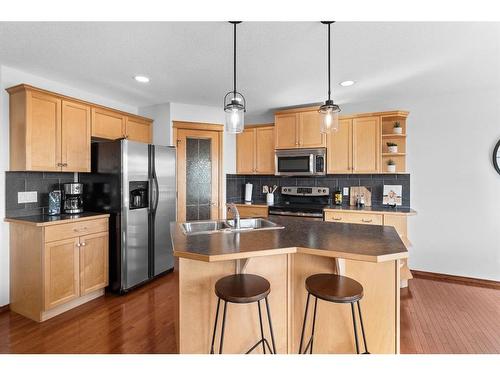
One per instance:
(271,326)
(304,324)
(215,327)
(354,325)
(261,329)
(223,326)
(362,329)
(314,324)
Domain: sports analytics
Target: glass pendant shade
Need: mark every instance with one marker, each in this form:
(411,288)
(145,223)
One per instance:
(234,106)
(329,117)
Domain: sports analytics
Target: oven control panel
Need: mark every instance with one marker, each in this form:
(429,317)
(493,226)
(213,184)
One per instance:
(305,191)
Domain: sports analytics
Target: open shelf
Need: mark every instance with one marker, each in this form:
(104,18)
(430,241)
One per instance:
(394,154)
(392,135)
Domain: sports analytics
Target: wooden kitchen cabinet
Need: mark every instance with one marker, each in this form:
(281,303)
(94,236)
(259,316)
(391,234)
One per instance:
(339,148)
(107,124)
(75,137)
(249,210)
(62,272)
(255,150)
(57,266)
(286,134)
(50,132)
(298,129)
(138,130)
(366,144)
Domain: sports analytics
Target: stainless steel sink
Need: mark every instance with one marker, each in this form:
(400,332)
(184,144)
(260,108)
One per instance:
(218,226)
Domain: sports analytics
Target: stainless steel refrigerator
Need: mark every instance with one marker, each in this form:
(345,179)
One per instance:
(135,183)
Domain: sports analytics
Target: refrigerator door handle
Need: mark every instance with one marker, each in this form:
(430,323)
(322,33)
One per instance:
(155,193)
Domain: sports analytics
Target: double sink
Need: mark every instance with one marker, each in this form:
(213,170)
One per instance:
(227,226)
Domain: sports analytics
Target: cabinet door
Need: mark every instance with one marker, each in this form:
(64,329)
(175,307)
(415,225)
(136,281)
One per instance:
(245,152)
(366,145)
(264,150)
(43,138)
(61,272)
(309,130)
(107,124)
(75,137)
(138,130)
(339,148)
(93,262)
(286,131)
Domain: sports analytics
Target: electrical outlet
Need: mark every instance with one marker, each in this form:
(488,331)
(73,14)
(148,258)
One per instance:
(346,191)
(27,197)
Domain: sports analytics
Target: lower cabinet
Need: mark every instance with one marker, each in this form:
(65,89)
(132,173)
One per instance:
(399,222)
(57,267)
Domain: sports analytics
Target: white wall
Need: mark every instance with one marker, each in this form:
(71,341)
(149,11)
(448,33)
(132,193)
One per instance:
(10,77)
(162,126)
(454,186)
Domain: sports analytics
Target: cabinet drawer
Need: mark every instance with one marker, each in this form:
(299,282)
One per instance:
(354,218)
(80,228)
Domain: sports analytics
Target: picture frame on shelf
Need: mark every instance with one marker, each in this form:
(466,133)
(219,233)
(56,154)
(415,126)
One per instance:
(392,195)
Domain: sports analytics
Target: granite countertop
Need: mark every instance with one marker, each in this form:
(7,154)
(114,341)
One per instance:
(373,243)
(43,220)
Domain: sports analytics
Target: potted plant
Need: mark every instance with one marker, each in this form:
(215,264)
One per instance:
(397,129)
(392,147)
(391,166)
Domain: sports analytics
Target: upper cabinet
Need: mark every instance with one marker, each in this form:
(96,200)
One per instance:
(52,132)
(107,124)
(255,150)
(298,129)
(339,148)
(366,144)
(137,129)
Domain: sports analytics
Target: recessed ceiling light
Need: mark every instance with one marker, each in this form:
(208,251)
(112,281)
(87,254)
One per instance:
(142,79)
(347,83)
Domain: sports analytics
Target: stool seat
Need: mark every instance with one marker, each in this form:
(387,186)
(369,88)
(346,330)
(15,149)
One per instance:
(242,288)
(334,288)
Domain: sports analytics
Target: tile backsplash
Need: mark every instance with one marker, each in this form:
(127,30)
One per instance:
(41,182)
(235,185)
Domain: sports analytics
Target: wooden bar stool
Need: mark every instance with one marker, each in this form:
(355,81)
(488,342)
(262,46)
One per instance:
(337,289)
(243,288)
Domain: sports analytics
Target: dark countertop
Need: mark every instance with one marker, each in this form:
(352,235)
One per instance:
(373,243)
(43,220)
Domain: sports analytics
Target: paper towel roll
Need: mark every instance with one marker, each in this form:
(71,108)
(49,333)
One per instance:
(248,192)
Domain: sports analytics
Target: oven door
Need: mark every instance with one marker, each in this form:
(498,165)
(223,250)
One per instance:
(294,164)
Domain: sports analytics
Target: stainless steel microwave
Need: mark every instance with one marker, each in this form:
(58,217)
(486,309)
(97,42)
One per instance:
(300,162)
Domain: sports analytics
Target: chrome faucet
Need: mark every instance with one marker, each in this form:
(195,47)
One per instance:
(236,215)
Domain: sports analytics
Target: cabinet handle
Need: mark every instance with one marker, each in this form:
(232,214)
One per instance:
(82,244)
(78,244)
(59,164)
(337,218)
(366,220)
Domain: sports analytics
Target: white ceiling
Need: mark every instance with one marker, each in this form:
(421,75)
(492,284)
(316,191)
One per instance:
(279,63)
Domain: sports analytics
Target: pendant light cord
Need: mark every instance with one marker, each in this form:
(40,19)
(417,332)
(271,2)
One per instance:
(329,65)
(234,76)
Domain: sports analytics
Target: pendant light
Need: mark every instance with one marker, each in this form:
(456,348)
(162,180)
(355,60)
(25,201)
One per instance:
(234,102)
(329,111)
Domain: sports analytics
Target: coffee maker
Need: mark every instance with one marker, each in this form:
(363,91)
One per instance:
(73,202)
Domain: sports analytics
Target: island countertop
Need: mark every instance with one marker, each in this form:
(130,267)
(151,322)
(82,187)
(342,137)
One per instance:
(372,243)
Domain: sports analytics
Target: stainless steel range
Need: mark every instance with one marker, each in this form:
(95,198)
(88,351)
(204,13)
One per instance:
(302,201)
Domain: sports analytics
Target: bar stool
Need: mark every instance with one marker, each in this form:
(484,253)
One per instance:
(337,289)
(243,288)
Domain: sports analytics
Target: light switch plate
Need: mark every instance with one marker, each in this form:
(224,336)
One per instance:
(27,197)
(346,191)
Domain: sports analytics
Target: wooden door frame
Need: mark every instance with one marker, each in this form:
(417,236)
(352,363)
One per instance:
(206,127)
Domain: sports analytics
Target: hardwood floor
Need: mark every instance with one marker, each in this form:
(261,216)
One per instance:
(436,317)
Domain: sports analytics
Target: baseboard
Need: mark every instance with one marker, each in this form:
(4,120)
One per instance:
(456,279)
(4,308)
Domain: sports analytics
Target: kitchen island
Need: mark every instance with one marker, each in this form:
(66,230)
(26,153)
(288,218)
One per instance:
(286,257)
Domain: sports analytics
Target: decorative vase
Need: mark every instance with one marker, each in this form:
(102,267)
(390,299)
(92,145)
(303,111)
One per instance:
(393,149)
(391,168)
(397,130)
